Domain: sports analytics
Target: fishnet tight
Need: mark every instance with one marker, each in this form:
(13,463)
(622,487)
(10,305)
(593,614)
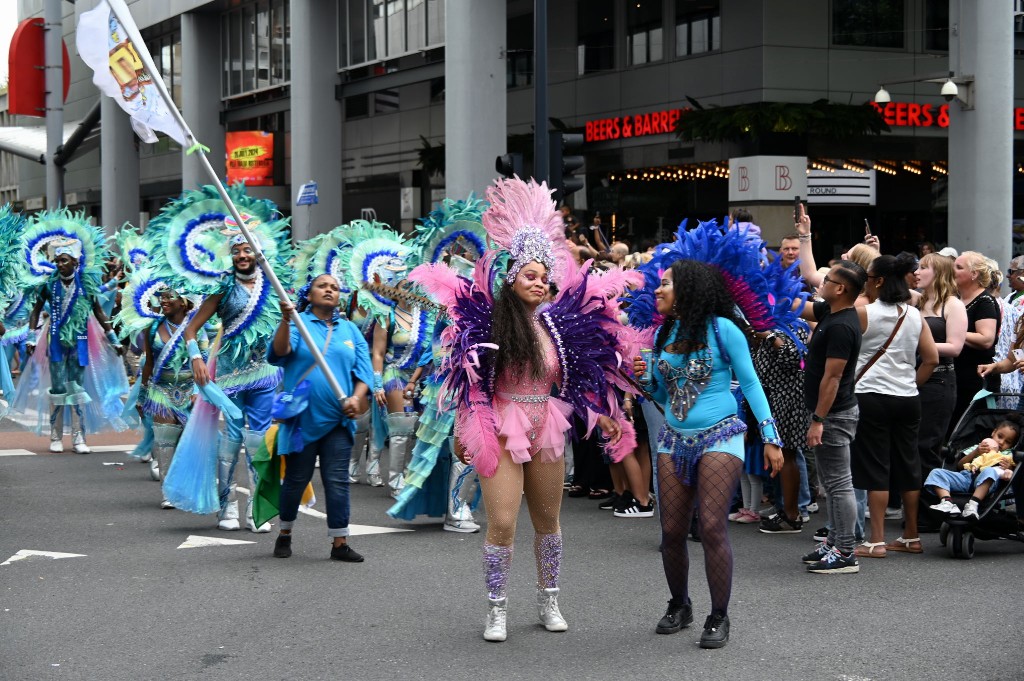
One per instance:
(717,476)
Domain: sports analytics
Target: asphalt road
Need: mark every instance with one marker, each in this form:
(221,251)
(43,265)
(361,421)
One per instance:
(136,606)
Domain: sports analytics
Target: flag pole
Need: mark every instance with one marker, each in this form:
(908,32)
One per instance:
(120,10)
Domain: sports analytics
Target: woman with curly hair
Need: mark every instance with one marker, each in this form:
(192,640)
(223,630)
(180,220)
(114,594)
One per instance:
(700,449)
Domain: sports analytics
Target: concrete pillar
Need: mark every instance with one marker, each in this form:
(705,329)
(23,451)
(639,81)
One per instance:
(475,127)
(200,94)
(316,115)
(981,138)
(119,172)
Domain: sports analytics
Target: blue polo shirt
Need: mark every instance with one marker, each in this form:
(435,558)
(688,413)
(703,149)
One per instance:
(348,356)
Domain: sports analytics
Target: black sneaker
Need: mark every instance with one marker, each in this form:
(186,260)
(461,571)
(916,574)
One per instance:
(821,534)
(345,553)
(612,502)
(835,563)
(676,617)
(819,552)
(716,631)
(780,523)
(634,509)
(283,546)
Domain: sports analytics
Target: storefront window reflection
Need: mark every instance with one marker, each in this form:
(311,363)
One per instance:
(255,46)
(371,30)
(697,27)
(595,36)
(644,32)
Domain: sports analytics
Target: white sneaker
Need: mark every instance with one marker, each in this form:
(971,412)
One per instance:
(166,504)
(459,525)
(971,510)
(812,507)
(229,518)
(56,446)
(154,470)
(547,608)
(374,480)
(146,459)
(946,506)
(262,529)
(494,628)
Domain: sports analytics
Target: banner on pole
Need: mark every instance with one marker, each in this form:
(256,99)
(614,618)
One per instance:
(250,155)
(120,72)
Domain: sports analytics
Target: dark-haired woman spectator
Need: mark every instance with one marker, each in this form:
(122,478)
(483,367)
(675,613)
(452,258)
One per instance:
(886,384)
(700,448)
(973,277)
(946,318)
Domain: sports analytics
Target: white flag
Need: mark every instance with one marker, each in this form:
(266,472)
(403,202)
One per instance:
(120,71)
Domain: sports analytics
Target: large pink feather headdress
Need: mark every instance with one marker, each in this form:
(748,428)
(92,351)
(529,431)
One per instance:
(522,219)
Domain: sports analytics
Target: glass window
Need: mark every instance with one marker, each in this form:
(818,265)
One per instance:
(278,49)
(248,48)
(416,22)
(519,52)
(643,31)
(697,27)
(357,106)
(176,69)
(396,27)
(879,23)
(936,25)
(376,46)
(595,36)
(236,53)
(262,44)
(287,48)
(357,31)
(435,22)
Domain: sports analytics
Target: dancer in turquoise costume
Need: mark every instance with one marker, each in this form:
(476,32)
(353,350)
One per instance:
(163,392)
(436,481)
(207,254)
(14,324)
(78,360)
(401,333)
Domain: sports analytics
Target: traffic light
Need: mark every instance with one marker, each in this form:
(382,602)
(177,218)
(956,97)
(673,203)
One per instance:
(509,165)
(564,148)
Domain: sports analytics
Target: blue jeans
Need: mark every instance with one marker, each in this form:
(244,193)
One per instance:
(334,450)
(833,459)
(255,406)
(964,481)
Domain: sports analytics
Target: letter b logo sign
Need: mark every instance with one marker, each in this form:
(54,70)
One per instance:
(783,182)
(744,179)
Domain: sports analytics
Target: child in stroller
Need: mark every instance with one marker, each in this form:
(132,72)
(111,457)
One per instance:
(979,471)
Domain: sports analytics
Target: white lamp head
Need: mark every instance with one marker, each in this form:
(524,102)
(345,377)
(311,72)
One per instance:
(882,96)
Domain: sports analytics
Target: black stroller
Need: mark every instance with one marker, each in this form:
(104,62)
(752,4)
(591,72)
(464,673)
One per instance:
(995,520)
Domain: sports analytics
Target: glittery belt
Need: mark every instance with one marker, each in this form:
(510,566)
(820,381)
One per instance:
(526,399)
(686,450)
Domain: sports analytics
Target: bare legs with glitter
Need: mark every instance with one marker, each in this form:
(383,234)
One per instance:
(503,493)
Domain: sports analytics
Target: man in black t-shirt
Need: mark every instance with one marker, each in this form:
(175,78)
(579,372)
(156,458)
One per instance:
(828,392)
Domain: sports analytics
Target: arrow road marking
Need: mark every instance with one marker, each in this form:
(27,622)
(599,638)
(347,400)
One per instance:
(353,530)
(195,542)
(16,452)
(27,553)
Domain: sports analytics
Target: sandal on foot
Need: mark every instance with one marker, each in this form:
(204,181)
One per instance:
(902,545)
(577,491)
(599,494)
(870,550)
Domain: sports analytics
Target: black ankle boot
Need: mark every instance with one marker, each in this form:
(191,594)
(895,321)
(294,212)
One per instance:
(283,546)
(716,631)
(345,553)
(676,617)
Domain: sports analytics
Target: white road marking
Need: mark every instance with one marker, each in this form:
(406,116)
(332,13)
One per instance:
(111,448)
(195,542)
(354,530)
(28,553)
(16,452)
(112,463)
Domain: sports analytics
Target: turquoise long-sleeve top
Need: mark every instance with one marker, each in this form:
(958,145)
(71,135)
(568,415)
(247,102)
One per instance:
(348,356)
(717,401)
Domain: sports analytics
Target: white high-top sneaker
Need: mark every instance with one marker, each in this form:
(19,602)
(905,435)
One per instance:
(229,517)
(462,520)
(547,609)
(497,613)
(154,469)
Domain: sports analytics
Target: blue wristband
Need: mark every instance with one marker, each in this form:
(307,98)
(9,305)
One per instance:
(378,381)
(112,337)
(193,350)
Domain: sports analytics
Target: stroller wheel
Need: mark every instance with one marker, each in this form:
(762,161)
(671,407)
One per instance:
(955,541)
(968,545)
(943,534)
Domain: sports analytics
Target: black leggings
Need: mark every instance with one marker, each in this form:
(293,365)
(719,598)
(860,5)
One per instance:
(718,474)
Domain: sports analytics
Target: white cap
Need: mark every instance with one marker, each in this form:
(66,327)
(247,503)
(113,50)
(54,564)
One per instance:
(949,252)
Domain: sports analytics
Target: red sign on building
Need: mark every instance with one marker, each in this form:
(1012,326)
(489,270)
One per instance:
(637,125)
(914,115)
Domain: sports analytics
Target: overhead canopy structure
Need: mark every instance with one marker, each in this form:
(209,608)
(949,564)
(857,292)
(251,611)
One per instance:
(29,141)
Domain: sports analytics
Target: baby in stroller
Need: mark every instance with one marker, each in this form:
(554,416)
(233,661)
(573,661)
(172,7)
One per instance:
(980,470)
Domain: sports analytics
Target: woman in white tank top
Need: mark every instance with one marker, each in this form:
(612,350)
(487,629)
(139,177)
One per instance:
(884,453)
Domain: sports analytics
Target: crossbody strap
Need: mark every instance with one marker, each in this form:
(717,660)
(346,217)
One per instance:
(885,346)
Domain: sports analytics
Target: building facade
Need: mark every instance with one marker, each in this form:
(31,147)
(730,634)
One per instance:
(352,94)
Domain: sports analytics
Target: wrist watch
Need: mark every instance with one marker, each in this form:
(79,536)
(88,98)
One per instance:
(816,418)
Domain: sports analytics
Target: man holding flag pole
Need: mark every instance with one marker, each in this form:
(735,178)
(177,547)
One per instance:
(110,43)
